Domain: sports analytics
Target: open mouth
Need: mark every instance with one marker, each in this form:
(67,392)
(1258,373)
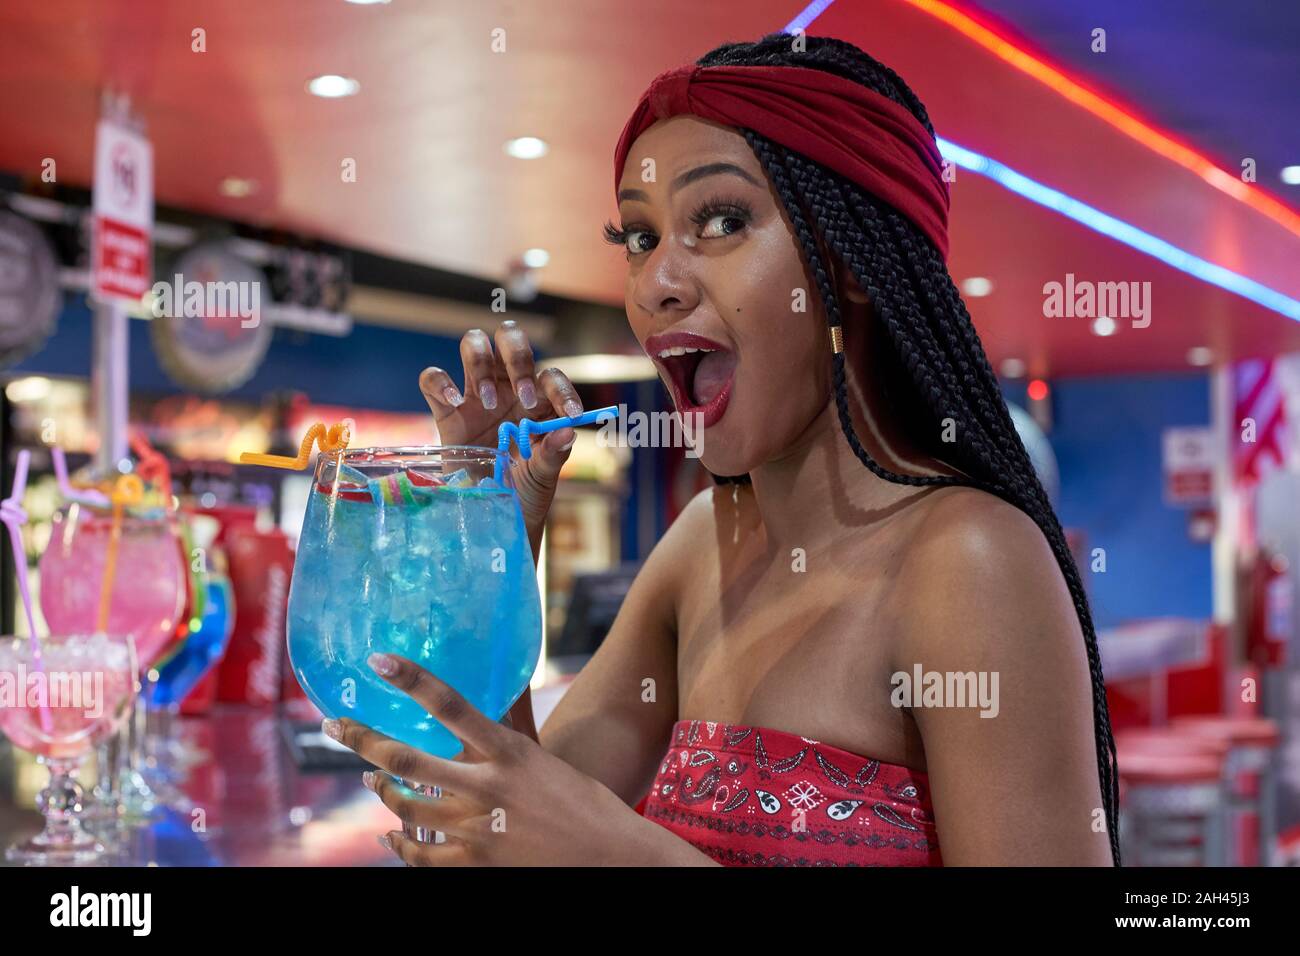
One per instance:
(700,374)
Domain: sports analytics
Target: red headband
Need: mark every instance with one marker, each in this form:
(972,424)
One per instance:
(863,136)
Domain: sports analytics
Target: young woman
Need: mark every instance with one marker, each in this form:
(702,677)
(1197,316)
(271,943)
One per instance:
(750,705)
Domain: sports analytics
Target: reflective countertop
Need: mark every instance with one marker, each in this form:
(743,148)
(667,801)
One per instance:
(235,797)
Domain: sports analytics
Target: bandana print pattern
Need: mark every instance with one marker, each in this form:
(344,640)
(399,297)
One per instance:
(751,796)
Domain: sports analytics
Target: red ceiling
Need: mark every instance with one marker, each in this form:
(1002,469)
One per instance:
(436,104)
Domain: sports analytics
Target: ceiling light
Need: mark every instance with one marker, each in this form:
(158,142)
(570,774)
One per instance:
(1013,368)
(526,147)
(1200,355)
(237,188)
(1104,325)
(30,389)
(976,286)
(366,3)
(332,86)
(536,258)
(1291,175)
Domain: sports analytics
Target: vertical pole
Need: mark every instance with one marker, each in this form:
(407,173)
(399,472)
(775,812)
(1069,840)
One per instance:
(1227,500)
(109,384)
(110,362)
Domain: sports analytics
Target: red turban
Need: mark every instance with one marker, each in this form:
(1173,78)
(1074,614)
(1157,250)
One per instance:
(865,137)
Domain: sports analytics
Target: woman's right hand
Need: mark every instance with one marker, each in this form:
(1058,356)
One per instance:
(502,386)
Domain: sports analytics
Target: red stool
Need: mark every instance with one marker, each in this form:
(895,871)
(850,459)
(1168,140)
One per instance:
(1251,775)
(1172,799)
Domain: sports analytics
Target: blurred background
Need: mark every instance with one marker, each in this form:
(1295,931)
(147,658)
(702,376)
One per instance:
(392,174)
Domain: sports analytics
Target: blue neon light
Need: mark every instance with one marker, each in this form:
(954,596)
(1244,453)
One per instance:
(1121,231)
(807,16)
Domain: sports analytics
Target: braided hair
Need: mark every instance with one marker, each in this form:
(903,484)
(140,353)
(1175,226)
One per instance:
(940,365)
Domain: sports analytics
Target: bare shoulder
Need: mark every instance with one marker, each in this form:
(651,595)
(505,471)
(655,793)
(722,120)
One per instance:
(977,564)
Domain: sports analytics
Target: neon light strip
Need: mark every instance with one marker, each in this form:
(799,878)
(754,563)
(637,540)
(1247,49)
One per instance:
(807,15)
(1120,231)
(1103,109)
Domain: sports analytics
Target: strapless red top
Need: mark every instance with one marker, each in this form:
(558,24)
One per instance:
(750,796)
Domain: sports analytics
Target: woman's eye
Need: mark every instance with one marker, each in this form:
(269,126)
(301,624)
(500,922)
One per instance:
(715,227)
(639,241)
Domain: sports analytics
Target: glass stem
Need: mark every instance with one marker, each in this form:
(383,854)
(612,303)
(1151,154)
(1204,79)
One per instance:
(60,803)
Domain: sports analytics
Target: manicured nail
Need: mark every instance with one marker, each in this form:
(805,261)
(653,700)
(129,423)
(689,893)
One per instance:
(332,729)
(487,393)
(527,394)
(368,778)
(568,442)
(572,408)
(385,841)
(453,396)
(382,664)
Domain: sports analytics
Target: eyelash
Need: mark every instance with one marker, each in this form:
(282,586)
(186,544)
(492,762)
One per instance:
(709,209)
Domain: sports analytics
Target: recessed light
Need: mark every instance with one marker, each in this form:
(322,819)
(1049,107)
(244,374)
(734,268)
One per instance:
(1291,175)
(1104,325)
(526,147)
(367,3)
(237,188)
(977,286)
(1200,355)
(536,258)
(332,86)
(30,389)
(1013,368)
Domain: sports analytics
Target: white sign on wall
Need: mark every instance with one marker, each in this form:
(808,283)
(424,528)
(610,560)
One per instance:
(123,213)
(1189,466)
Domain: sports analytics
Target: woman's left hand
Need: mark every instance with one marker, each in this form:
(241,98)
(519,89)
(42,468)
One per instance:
(505,800)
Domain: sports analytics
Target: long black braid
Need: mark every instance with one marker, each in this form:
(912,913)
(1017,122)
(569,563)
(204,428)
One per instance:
(914,299)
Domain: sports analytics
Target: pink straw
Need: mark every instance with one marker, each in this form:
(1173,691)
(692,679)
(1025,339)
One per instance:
(84,496)
(14,517)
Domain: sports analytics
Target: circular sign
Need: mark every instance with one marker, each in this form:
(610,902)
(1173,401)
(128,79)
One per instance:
(208,327)
(29,288)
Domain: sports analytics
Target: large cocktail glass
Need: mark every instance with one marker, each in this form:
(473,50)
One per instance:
(416,552)
(144,601)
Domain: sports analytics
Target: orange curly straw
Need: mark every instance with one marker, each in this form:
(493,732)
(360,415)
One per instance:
(336,438)
(127,490)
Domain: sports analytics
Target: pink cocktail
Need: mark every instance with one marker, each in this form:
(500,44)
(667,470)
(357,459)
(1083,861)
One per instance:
(148,587)
(58,705)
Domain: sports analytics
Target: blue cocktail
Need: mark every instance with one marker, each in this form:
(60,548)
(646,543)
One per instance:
(420,552)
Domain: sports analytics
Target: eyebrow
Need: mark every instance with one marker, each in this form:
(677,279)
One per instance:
(690,176)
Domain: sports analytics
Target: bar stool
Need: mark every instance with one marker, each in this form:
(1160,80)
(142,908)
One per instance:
(1250,772)
(1172,799)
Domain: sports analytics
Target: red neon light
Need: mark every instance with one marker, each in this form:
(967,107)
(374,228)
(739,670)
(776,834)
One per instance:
(1155,140)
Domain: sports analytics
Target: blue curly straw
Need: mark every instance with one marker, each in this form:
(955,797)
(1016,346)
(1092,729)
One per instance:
(523,432)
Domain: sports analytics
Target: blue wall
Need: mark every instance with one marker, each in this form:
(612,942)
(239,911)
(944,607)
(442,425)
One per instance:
(327,369)
(1107,437)
(373,367)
